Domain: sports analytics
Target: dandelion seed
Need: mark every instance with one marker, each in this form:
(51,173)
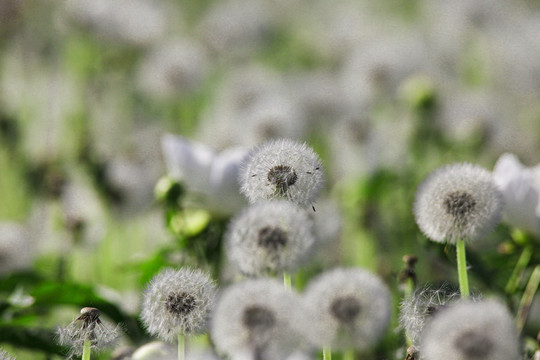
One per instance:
(457,202)
(270,237)
(177,302)
(282,169)
(417,309)
(349,308)
(471,331)
(88,327)
(257,319)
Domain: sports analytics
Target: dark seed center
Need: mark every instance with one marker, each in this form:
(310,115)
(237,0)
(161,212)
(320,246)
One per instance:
(258,319)
(180,303)
(272,238)
(282,176)
(345,309)
(459,204)
(473,345)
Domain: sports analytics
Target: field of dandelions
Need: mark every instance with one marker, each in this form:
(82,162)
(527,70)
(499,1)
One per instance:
(270,180)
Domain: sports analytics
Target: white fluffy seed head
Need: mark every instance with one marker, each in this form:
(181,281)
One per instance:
(4,355)
(348,308)
(282,169)
(458,201)
(88,326)
(471,331)
(257,319)
(178,302)
(270,237)
(417,309)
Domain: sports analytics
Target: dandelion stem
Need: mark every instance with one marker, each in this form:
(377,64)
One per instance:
(348,354)
(520,267)
(181,347)
(527,299)
(327,353)
(86,350)
(287,280)
(462,269)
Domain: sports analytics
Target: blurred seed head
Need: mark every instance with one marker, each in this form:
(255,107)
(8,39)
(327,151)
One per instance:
(417,309)
(257,319)
(236,28)
(130,22)
(178,302)
(348,308)
(172,70)
(282,169)
(470,331)
(16,247)
(88,326)
(458,201)
(4,355)
(269,237)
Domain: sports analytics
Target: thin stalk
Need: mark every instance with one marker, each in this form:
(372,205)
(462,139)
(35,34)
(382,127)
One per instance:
(86,350)
(527,298)
(520,267)
(287,280)
(348,354)
(181,347)
(326,353)
(462,269)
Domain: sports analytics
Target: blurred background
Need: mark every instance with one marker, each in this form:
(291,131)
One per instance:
(385,92)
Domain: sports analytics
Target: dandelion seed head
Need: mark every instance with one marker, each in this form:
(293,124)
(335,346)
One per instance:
(457,201)
(178,302)
(282,169)
(348,308)
(4,355)
(417,309)
(469,330)
(257,317)
(88,326)
(270,237)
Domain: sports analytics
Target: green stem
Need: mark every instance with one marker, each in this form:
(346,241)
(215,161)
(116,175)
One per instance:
(86,350)
(520,267)
(462,269)
(348,354)
(181,347)
(287,280)
(326,353)
(527,299)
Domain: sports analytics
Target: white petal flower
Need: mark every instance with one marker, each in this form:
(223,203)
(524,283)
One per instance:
(520,187)
(206,172)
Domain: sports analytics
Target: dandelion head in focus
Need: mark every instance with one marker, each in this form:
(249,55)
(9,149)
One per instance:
(471,331)
(282,169)
(349,308)
(178,302)
(458,201)
(417,309)
(257,319)
(88,326)
(270,237)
